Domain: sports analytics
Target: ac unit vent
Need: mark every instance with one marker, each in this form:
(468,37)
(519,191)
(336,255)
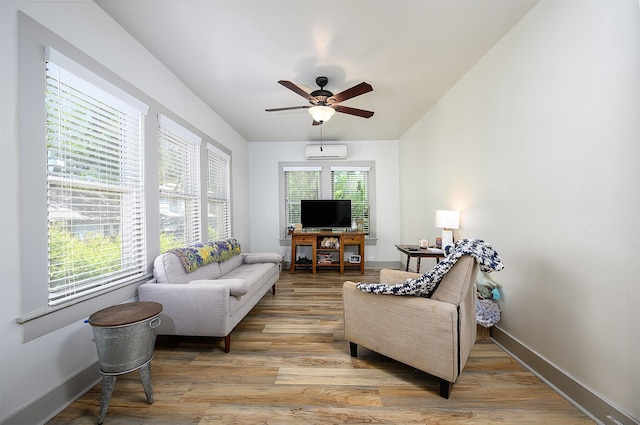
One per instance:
(326,151)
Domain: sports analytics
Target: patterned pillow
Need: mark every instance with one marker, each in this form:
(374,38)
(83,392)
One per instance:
(198,255)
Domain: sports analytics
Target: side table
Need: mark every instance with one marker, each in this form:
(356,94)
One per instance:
(125,336)
(415,251)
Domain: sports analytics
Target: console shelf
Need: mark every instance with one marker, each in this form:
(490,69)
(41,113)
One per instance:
(325,252)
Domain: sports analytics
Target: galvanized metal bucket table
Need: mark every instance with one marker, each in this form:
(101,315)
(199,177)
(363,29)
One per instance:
(125,336)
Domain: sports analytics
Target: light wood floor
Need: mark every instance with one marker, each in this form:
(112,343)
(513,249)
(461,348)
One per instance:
(289,364)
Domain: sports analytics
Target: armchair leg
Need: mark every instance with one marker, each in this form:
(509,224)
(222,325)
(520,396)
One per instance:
(353,348)
(227,343)
(273,289)
(445,388)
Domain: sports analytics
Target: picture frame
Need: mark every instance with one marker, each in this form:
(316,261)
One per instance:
(354,259)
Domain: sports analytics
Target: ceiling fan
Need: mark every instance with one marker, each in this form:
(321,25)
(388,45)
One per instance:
(323,104)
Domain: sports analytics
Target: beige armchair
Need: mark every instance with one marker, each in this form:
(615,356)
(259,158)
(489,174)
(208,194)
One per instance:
(434,335)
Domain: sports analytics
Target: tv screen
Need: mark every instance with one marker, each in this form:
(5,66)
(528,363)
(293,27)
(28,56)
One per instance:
(325,213)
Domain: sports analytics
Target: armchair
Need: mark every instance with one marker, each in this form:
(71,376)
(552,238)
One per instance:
(434,335)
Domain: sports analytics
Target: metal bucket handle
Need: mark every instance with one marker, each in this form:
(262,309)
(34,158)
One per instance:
(155,322)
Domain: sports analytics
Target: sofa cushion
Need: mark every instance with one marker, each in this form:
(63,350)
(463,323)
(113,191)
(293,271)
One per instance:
(237,287)
(251,273)
(268,257)
(257,276)
(167,268)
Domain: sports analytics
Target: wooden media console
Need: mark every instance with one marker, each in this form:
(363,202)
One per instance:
(327,250)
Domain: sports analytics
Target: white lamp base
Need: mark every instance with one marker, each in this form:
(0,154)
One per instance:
(447,238)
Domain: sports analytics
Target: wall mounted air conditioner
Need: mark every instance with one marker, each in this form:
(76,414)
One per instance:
(327,152)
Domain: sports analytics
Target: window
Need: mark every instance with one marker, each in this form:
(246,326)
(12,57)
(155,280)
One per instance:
(353,183)
(95,208)
(353,180)
(218,194)
(299,183)
(179,172)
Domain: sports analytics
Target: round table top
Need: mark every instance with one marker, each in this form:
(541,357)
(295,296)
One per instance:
(125,314)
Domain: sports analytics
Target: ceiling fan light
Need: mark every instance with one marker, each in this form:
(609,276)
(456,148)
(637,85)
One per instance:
(321,113)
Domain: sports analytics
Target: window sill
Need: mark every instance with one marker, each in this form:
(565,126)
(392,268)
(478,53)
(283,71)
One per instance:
(49,319)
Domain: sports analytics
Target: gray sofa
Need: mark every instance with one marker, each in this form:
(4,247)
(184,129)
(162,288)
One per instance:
(212,299)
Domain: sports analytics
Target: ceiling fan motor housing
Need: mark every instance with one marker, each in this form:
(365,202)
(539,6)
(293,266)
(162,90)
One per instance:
(321,95)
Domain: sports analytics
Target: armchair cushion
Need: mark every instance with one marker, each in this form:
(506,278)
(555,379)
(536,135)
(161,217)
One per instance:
(392,277)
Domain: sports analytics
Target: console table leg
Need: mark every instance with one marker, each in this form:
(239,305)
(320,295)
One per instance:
(408,260)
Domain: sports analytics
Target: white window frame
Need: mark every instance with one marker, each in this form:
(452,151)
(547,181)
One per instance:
(286,202)
(95,184)
(182,188)
(218,194)
(36,316)
(326,168)
(360,169)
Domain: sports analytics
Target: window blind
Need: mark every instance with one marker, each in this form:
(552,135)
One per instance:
(218,194)
(300,183)
(95,208)
(353,183)
(179,180)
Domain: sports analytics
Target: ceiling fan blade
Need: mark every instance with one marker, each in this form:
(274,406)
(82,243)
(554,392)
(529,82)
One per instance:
(353,111)
(288,108)
(293,87)
(354,91)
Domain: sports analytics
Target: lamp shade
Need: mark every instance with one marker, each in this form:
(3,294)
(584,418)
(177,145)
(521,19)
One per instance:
(447,219)
(321,113)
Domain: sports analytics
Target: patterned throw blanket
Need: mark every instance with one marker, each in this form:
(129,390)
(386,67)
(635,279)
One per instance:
(201,254)
(424,286)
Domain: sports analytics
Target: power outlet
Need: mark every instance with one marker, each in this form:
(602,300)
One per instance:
(614,420)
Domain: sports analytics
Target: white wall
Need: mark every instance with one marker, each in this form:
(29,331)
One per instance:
(31,370)
(263,184)
(538,146)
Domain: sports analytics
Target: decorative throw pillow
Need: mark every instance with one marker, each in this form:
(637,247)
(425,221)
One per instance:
(200,254)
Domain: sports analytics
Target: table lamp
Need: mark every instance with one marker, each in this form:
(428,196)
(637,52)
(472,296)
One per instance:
(447,220)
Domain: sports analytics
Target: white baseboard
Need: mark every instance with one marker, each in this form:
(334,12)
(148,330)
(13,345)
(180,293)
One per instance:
(50,404)
(588,402)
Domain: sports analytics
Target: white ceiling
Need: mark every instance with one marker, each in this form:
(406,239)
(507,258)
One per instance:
(231,53)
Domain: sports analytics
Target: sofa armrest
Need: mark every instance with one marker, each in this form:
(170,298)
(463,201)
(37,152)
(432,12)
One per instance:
(264,257)
(192,309)
(396,276)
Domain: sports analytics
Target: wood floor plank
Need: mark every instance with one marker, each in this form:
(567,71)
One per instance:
(289,364)
(284,394)
(342,376)
(291,415)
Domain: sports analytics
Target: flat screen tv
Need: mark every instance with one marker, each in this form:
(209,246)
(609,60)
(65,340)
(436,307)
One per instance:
(325,213)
